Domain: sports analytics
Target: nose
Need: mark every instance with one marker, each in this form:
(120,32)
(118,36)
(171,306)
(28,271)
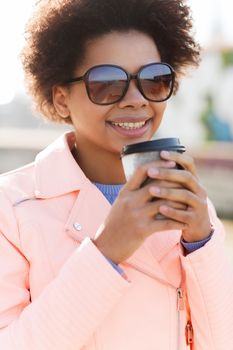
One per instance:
(133,97)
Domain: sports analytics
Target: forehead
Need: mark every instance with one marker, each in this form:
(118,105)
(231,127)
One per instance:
(131,50)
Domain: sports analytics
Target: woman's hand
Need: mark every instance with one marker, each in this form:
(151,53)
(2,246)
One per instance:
(133,215)
(196,216)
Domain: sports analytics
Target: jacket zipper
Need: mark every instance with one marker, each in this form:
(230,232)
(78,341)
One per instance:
(188,328)
(180,308)
(189,334)
(180,300)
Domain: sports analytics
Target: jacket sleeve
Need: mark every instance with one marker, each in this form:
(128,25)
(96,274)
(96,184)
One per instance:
(209,280)
(71,307)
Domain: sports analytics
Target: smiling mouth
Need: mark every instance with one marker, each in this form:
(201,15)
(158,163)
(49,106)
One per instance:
(130,125)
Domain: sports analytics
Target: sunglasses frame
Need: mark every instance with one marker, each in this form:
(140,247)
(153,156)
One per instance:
(129,78)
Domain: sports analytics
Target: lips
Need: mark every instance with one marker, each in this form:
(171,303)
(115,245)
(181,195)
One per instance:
(131,127)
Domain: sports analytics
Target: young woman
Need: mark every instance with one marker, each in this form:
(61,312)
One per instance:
(75,272)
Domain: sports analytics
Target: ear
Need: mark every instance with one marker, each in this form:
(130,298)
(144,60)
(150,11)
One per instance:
(60,99)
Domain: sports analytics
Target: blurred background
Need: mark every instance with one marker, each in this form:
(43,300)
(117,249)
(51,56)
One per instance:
(201,114)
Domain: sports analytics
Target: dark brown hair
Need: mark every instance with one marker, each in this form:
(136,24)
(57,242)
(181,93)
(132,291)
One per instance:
(58,31)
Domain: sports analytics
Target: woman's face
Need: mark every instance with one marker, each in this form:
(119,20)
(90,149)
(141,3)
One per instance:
(93,124)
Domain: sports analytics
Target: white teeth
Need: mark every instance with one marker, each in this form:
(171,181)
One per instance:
(130,125)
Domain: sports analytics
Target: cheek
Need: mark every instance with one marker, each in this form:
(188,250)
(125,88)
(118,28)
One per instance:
(79,104)
(88,114)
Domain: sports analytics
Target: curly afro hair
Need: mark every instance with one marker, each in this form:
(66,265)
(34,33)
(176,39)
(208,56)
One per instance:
(58,31)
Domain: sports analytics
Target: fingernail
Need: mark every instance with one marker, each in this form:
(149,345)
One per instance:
(165,154)
(172,164)
(155,190)
(163,209)
(153,172)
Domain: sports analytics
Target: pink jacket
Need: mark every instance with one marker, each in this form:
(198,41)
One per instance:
(57,291)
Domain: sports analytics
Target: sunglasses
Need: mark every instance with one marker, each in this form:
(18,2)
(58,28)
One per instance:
(107,84)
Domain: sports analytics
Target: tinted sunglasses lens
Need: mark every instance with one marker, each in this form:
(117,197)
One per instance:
(106,84)
(156,82)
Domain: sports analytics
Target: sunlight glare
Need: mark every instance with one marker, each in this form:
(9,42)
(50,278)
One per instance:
(13,16)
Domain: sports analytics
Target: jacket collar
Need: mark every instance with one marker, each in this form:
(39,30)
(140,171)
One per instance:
(56,171)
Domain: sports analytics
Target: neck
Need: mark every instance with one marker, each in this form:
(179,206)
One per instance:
(101,167)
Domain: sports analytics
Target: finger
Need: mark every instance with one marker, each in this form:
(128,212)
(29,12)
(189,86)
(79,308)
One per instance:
(183,216)
(140,174)
(176,205)
(153,207)
(166,225)
(145,191)
(183,159)
(176,195)
(160,163)
(164,183)
(183,177)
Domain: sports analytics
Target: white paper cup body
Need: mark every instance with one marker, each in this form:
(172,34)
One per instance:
(132,161)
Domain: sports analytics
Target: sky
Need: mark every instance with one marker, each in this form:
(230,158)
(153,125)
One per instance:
(209,16)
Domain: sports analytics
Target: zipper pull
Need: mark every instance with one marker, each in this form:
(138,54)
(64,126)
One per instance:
(180,299)
(189,333)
